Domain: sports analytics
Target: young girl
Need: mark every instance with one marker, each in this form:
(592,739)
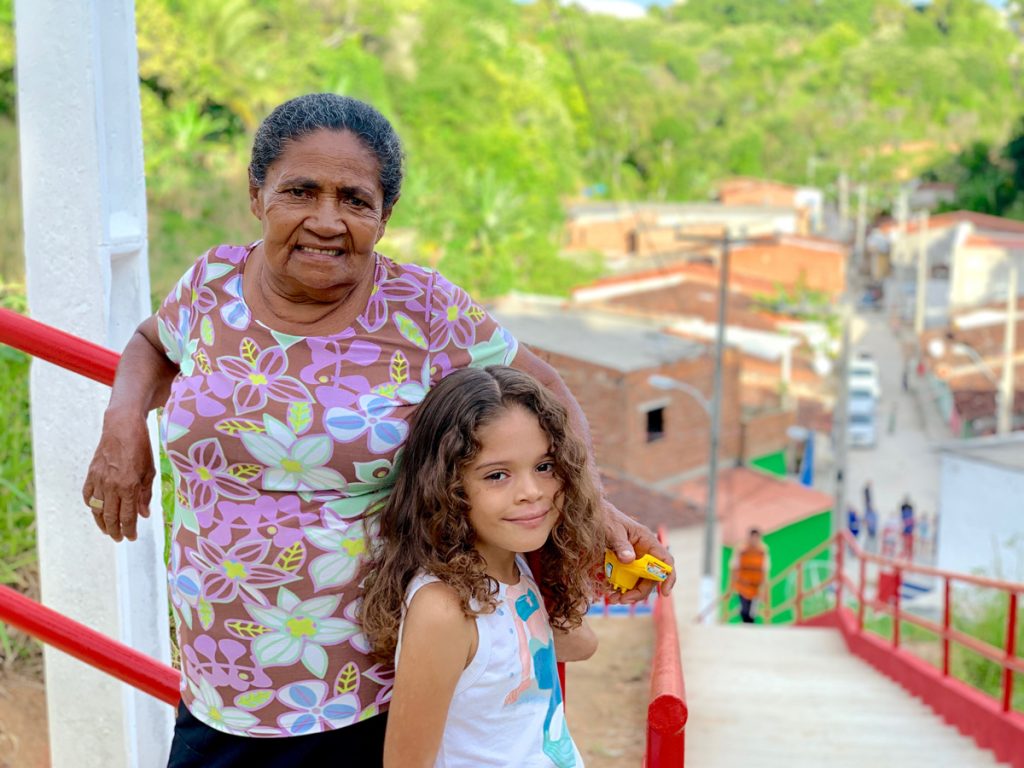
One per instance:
(490,471)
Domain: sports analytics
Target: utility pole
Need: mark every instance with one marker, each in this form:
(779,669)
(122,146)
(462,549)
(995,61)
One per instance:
(707,581)
(844,204)
(1007,388)
(921,294)
(840,416)
(860,234)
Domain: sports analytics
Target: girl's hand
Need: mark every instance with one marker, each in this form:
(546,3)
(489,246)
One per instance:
(120,476)
(629,540)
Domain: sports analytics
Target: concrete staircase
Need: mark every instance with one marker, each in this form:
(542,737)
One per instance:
(787,697)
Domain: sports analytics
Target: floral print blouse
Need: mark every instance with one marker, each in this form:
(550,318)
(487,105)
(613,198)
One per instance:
(279,444)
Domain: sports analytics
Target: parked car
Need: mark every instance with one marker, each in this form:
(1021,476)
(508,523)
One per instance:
(861,398)
(861,425)
(863,374)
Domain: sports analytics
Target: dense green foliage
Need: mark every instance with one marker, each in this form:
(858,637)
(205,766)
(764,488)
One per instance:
(988,179)
(507,109)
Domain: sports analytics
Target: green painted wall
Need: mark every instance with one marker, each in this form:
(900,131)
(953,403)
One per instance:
(772,463)
(786,546)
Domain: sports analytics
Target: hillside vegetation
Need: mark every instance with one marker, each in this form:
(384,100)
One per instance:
(509,108)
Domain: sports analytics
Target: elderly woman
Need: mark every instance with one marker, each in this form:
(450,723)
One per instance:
(288,370)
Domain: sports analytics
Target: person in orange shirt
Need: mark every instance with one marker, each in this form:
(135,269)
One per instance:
(749,568)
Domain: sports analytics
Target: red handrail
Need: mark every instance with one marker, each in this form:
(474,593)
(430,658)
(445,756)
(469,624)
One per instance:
(58,347)
(92,647)
(667,712)
(989,719)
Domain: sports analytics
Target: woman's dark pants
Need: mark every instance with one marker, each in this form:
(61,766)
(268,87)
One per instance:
(197,745)
(745,607)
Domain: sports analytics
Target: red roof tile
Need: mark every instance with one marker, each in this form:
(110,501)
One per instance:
(649,506)
(749,499)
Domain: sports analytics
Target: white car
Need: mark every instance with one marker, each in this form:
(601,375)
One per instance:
(861,425)
(863,374)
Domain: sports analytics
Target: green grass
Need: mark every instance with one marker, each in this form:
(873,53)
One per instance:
(18,559)
(981,616)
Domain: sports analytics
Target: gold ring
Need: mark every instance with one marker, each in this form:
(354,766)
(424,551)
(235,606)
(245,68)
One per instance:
(95,503)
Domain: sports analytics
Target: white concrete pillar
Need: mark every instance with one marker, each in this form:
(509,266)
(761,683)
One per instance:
(83,191)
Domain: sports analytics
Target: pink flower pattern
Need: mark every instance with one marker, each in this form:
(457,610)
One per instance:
(243,549)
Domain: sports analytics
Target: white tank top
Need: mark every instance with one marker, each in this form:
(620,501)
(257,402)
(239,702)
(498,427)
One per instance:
(507,708)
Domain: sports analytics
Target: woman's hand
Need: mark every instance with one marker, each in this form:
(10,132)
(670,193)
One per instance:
(629,540)
(119,484)
(120,475)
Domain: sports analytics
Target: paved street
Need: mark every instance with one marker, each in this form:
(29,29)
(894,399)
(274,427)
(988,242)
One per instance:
(903,461)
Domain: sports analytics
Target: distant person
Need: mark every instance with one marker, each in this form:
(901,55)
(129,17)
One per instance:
(924,535)
(907,527)
(853,522)
(749,568)
(867,496)
(871,530)
(890,537)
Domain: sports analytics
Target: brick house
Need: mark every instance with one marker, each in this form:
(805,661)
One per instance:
(963,390)
(640,433)
(967,256)
(627,232)
(808,201)
(777,355)
(811,262)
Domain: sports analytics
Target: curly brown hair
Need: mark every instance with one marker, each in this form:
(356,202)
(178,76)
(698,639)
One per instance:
(424,523)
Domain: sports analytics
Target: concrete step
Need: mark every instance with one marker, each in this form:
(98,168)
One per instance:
(774,697)
(766,696)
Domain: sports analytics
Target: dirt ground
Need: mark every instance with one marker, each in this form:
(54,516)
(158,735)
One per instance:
(606,702)
(606,696)
(23,734)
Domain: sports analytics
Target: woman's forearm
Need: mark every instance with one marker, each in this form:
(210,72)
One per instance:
(144,374)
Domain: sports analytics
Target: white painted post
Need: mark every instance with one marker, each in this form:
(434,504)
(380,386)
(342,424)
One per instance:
(921,296)
(83,190)
(1007,383)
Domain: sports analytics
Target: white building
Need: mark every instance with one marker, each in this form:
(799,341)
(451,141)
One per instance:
(981,517)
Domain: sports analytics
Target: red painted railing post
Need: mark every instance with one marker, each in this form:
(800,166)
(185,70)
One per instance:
(896,609)
(946,616)
(1011,651)
(861,591)
(666,712)
(799,592)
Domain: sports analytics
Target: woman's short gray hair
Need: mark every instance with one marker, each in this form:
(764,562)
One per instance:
(316,111)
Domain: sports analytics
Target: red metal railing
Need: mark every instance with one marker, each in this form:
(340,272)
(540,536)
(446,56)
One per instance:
(990,719)
(891,574)
(88,645)
(143,672)
(94,648)
(58,347)
(667,712)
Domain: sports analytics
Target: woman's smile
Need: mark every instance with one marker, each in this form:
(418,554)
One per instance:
(322,212)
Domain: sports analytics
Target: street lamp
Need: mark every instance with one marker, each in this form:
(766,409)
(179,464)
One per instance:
(713,409)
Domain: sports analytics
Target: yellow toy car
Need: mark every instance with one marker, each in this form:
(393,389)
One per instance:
(624,577)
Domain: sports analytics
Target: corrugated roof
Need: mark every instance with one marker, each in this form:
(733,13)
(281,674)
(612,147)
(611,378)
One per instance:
(605,339)
(749,499)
